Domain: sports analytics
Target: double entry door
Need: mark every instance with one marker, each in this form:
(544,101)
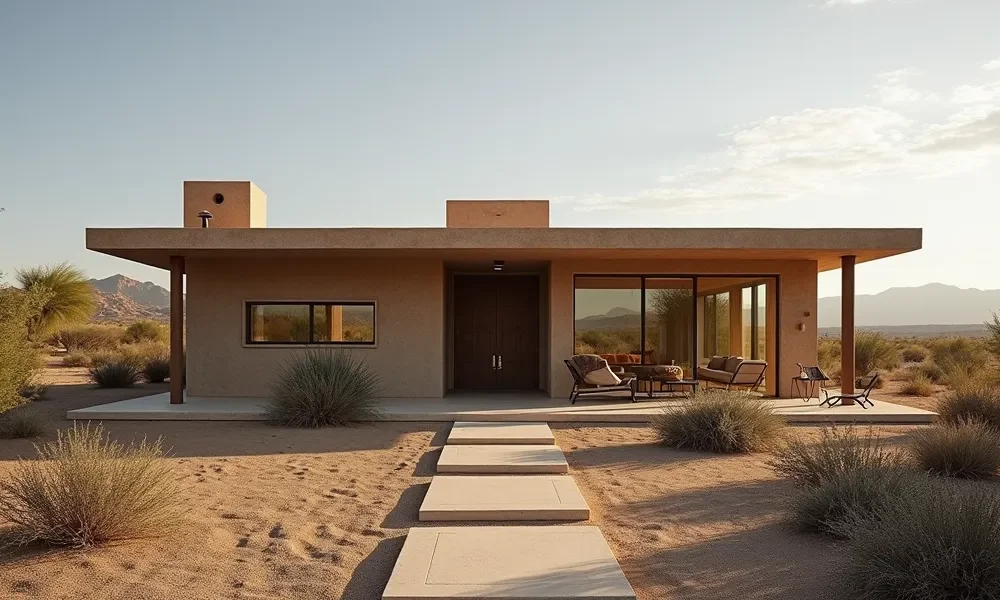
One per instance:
(496,332)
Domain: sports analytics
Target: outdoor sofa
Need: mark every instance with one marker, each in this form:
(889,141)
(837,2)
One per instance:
(733,371)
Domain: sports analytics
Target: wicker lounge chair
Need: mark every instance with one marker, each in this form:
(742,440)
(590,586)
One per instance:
(868,382)
(582,388)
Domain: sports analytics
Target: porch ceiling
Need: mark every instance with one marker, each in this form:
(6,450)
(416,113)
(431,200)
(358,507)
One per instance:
(154,246)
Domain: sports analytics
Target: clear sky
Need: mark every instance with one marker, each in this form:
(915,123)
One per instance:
(766,113)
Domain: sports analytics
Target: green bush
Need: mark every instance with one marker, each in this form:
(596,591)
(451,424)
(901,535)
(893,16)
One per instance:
(972,402)
(19,361)
(966,450)
(915,354)
(76,359)
(720,421)
(839,451)
(873,351)
(89,338)
(20,424)
(146,331)
(831,506)
(115,375)
(323,387)
(156,370)
(937,543)
(918,385)
(88,490)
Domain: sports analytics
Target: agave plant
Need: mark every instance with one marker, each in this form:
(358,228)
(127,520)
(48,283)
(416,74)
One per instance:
(321,387)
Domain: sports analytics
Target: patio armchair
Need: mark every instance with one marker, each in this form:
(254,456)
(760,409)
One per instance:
(582,388)
(868,384)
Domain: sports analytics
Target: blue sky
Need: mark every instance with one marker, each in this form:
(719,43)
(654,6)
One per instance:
(767,113)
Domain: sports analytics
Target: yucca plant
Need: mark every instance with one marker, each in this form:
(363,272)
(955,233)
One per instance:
(719,421)
(321,387)
(117,374)
(839,450)
(86,489)
(156,370)
(70,298)
(933,542)
(20,424)
(969,450)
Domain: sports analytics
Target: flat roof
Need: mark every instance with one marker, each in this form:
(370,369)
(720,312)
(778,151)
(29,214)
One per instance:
(154,246)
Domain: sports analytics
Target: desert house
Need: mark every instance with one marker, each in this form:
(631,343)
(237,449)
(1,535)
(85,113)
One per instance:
(496,299)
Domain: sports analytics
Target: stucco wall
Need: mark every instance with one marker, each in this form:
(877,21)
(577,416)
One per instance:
(797,283)
(409,320)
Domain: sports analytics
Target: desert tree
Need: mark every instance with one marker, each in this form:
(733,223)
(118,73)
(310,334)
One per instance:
(70,298)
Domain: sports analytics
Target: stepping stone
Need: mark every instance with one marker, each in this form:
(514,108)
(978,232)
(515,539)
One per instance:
(502,459)
(470,432)
(502,498)
(440,563)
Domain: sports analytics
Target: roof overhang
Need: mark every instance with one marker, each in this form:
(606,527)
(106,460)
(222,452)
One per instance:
(155,246)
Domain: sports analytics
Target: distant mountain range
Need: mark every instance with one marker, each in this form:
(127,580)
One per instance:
(931,304)
(122,299)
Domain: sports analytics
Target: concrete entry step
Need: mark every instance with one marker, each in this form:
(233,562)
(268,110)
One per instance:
(507,562)
(512,459)
(472,432)
(504,498)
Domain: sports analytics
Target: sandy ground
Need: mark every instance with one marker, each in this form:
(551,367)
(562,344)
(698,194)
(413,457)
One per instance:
(691,525)
(321,514)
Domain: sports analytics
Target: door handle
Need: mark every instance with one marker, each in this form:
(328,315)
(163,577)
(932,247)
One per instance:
(494,361)
(500,361)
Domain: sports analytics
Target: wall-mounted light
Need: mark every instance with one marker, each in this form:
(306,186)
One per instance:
(802,326)
(498,265)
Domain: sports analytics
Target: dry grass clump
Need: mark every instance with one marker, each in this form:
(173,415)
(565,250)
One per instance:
(156,370)
(960,358)
(141,353)
(839,451)
(874,351)
(720,421)
(931,371)
(89,338)
(918,384)
(830,506)
(20,424)
(974,401)
(118,374)
(33,391)
(322,387)
(965,450)
(146,331)
(933,542)
(76,359)
(828,354)
(915,354)
(87,489)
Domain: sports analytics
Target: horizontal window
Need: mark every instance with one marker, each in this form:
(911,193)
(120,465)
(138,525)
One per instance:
(311,323)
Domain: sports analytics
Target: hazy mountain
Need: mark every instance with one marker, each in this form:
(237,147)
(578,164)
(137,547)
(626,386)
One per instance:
(121,298)
(931,304)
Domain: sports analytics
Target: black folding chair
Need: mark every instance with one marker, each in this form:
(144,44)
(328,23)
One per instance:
(868,382)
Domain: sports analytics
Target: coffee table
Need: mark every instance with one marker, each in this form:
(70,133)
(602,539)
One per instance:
(671,384)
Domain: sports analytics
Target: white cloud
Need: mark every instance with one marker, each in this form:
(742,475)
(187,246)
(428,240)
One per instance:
(993,65)
(820,150)
(894,88)
(847,2)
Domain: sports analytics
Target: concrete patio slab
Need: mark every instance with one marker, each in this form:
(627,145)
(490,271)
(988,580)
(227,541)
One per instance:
(515,562)
(497,407)
(512,459)
(504,498)
(466,432)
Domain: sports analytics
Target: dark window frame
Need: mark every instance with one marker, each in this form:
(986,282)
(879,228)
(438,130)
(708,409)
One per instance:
(311,307)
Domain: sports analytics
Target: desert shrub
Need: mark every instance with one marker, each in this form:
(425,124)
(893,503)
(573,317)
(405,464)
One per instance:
(831,506)
(87,489)
(323,387)
(18,360)
(993,334)
(20,424)
(33,391)
(969,402)
(720,421)
(118,374)
(156,370)
(960,358)
(966,450)
(69,297)
(76,359)
(931,371)
(143,352)
(917,384)
(828,353)
(839,450)
(874,351)
(915,354)
(89,338)
(935,542)
(146,331)
(101,358)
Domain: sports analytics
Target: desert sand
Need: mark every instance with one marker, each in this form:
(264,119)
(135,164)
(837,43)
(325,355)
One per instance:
(283,513)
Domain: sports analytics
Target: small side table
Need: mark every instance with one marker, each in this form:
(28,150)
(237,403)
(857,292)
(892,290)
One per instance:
(671,384)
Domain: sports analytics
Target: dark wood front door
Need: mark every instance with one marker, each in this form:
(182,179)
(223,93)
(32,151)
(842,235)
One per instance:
(496,332)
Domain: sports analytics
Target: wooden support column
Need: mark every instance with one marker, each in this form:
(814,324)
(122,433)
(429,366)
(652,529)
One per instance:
(176,329)
(847,374)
